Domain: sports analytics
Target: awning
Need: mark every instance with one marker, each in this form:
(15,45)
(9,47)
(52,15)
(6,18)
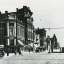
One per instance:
(20,42)
(28,47)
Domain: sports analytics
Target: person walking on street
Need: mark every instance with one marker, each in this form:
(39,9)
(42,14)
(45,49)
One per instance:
(19,50)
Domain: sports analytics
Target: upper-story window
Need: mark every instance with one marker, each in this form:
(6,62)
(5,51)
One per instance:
(11,16)
(11,29)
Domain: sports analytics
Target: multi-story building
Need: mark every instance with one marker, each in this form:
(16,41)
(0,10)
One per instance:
(25,15)
(30,31)
(7,28)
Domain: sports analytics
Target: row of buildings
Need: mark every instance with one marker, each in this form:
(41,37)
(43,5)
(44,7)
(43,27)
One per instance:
(17,27)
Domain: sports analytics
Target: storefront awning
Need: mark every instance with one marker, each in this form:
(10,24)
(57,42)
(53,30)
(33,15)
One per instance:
(20,42)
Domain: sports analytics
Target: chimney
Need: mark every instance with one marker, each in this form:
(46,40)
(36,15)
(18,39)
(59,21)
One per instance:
(0,15)
(6,14)
(16,9)
(0,12)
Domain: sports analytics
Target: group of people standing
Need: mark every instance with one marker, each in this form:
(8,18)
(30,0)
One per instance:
(51,43)
(13,49)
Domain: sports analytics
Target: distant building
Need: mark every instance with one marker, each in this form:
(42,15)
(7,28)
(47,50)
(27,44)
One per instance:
(42,36)
(36,40)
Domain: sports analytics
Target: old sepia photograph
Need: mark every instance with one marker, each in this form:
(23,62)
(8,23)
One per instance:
(31,31)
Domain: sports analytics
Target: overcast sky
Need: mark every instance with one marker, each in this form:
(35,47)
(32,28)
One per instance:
(46,13)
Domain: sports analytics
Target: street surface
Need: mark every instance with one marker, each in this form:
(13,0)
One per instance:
(34,58)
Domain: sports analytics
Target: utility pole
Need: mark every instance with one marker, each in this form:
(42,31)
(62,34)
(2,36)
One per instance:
(25,24)
(16,24)
(33,39)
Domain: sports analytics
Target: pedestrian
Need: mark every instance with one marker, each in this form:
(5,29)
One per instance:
(29,50)
(7,50)
(19,50)
(52,44)
(48,40)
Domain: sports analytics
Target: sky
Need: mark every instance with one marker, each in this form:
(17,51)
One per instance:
(46,13)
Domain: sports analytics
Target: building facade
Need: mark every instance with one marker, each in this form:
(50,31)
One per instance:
(30,31)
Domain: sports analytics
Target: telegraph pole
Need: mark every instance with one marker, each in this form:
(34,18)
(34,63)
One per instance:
(33,39)
(25,24)
(16,25)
